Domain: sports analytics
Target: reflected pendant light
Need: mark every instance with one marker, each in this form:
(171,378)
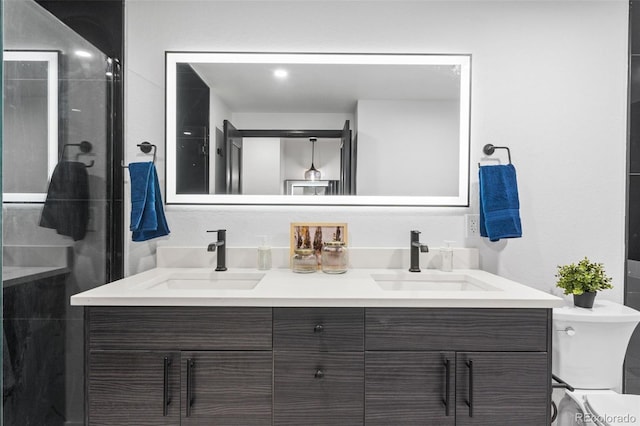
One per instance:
(312,173)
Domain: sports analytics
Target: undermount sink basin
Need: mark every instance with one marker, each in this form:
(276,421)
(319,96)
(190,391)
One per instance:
(208,281)
(407,281)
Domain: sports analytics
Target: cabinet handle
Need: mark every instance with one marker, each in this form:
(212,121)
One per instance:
(166,398)
(319,373)
(470,395)
(318,328)
(447,386)
(191,363)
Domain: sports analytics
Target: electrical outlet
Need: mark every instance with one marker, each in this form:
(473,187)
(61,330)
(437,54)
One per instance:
(472,225)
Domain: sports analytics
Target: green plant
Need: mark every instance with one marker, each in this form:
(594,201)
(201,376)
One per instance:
(583,277)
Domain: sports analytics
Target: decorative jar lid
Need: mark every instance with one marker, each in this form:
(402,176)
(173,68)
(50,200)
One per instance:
(304,251)
(334,243)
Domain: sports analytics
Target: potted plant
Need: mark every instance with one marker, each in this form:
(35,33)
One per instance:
(583,281)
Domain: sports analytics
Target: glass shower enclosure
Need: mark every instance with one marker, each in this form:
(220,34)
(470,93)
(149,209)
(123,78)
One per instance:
(57,167)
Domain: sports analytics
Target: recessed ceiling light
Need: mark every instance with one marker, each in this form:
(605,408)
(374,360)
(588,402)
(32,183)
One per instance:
(83,54)
(280,73)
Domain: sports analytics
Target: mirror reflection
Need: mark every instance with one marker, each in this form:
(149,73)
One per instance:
(30,135)
(317,128)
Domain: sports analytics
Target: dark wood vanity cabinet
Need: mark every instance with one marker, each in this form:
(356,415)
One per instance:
(458,366)
(179,366)
(318,366)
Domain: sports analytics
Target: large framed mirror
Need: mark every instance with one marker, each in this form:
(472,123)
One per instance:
(30,133)
(317,128)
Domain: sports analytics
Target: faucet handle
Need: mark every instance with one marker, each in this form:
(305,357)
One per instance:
(222,234)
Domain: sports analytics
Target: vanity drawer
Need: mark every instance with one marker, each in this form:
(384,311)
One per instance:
(318,329)
(180,328)
(321,388)
(435,329)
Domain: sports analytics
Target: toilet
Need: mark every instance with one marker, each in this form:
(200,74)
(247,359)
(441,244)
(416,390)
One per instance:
(589,347)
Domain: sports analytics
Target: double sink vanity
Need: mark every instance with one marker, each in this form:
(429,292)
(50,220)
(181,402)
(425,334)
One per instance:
(192,346)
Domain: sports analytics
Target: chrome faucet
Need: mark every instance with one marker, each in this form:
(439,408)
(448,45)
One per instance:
(416,249)
(221,245)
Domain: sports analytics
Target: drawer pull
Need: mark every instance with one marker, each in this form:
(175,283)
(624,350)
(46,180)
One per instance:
(447,386)
(469,401)
(190,397)
(318,328)
(319,373)
(166,398)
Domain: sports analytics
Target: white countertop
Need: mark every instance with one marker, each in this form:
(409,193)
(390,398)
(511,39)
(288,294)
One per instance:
(284,288)
(14,275)
(27,263)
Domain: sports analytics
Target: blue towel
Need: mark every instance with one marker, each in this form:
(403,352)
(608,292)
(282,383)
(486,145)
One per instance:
(147,216)
(499,204)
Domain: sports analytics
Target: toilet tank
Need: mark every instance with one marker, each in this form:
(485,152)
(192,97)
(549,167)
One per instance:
(589,345)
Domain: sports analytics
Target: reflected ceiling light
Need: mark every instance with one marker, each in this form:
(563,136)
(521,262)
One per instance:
(281,73)
(83,54)
(312,173)
(109,74)
(186,133)
(76,110)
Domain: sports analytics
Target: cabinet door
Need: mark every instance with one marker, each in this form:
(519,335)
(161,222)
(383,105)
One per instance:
(409,388)
(502,388)
(134,388)
(226,388)
(318,388)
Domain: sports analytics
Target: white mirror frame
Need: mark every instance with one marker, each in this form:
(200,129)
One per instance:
(51,57)
(173,58)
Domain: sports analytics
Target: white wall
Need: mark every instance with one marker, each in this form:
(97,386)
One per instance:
(548,80)
(393,134)
(261,166)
